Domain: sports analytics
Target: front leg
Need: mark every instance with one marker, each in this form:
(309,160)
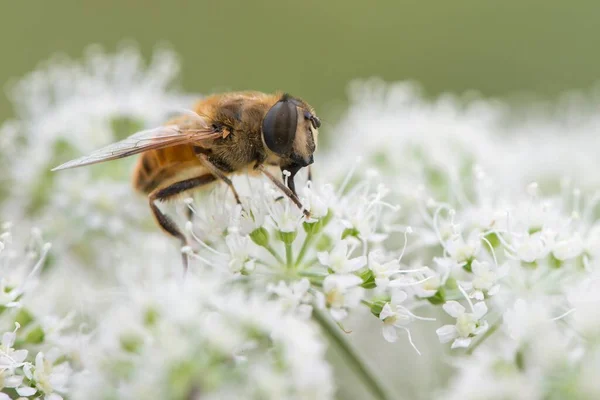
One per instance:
(292,196)
(218,174)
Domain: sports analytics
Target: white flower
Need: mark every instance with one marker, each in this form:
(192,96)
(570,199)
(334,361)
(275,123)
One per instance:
(8,294)
(338,259)
(485,279)
(394,315)
(382,270)
(253,217)
(287,217)
(48,377)
(9,357)
(341,293)
(362,212)
(239,260)
(294,297)
(568,248)
(429,280)
(531,247)
(10,381)
(464,250)
(467,325)
(317,203)
(585,300)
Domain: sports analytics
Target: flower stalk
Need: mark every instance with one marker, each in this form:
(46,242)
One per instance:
(354,360)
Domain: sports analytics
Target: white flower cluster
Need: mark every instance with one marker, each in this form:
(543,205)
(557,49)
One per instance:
(46,374)
(191,339)
(68,108)
(512,264)
(334,260)
(508,268)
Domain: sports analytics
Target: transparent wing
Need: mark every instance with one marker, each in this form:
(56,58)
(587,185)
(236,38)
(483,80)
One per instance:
(151,139)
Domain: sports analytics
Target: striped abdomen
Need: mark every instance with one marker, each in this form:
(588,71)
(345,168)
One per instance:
(163,167)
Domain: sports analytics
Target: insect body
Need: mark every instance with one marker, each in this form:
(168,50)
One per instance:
(226,134)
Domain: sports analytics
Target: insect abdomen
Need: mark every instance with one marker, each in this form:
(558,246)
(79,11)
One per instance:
(160,167)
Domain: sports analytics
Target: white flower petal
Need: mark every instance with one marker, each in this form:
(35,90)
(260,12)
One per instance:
(323,257)
(13,381)
(399,296)
(343,281)
(481,328)
(19,355)
(479,268)
(382,283)
(386,311)
(8,339)
(461,343)
(479,309)
(27,371)
(356,263)
(453,308)
(26,391)
(389,333)
(338,314)
(446,333)
(494,290)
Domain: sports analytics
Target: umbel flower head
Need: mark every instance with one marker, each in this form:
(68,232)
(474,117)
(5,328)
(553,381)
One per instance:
(509,269)
(320,261)
(197,339)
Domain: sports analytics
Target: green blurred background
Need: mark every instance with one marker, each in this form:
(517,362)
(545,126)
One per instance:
(313,48)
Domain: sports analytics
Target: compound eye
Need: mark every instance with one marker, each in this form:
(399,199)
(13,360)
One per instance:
(279,126)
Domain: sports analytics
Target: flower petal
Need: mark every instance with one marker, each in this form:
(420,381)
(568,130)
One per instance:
(382,283)
(479,309)
(323,257)
(26,391)
(8,339)
(386,311)
(446,333)
(399,296)
(453,308)
(461,343)
(19,355)
(389,333)
(13,381)
(481,328)
(356,263)
(338,314)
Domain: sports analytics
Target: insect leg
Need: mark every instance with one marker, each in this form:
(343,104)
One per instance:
(164,193)
(285,190)
(219,174)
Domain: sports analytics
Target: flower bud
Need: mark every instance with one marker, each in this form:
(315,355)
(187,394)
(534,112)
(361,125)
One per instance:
(368,278)
(287,237)
(377,306)
(260,236)
(439,297)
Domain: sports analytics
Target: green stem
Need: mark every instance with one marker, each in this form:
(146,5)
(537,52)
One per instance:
(350,354)
(482,338)
(271,250)
(367,303)
(307,240)
(312,274)
(309,263)
(289,257)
